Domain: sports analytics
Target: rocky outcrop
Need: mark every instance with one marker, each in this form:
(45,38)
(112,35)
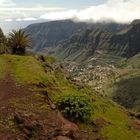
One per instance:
(29,125)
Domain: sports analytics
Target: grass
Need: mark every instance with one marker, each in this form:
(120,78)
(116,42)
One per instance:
(26,69)
(126,88)
(3,67)
(32,103)
(49,59)
(107,59)
(118,122)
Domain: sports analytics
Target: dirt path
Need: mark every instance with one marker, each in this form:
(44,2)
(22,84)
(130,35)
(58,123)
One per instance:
(55,124)
(9,89)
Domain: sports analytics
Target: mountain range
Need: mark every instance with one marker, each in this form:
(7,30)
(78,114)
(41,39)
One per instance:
(86,44)
(79,41)
(51,34)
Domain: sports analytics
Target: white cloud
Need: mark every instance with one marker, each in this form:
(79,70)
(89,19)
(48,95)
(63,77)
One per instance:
(59,15)
(31,9)
(10,10)
(26,19)
(6,3)
(8,20)
(116,10)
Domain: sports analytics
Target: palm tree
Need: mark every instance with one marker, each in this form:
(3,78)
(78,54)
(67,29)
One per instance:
(18,41)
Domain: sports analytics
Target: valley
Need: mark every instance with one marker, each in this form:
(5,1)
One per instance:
(105,58)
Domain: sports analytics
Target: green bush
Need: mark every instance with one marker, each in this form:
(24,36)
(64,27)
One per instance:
(77,107)
(49,59)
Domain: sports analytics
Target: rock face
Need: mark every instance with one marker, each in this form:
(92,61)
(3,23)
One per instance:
(68,128)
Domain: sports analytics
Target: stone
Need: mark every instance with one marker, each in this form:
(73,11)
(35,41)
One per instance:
(53,106)
(29,124)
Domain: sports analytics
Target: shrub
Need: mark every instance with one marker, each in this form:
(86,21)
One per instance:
(49,59)
(18,41)
(75,106)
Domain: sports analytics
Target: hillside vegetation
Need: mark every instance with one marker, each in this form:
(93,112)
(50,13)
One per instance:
(33,84)
(126,88)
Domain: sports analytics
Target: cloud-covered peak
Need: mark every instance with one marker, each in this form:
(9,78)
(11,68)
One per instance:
(121,11)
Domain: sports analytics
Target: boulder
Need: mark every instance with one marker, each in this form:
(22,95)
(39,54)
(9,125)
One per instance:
(29,125)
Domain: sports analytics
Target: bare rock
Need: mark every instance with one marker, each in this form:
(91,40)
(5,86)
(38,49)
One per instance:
(68,129)
(29,125)
(53,106)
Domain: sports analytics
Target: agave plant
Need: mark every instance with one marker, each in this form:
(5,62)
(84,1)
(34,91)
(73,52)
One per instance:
(18,41)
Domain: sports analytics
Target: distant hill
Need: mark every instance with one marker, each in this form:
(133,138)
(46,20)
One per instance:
(88,43)
(49,34)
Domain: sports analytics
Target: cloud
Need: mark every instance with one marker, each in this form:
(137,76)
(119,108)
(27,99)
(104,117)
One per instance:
(8,20)
(31,9)
(26,19)
(112,10)
(7,3)
(67,14)
(23,13)
(115,10)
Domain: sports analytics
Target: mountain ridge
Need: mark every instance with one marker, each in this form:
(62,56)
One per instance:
(49,34)
(124,43)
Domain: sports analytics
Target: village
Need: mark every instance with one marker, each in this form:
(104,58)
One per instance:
(96,76)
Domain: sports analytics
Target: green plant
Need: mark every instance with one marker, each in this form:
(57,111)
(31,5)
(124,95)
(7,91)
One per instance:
(49,59)
(3,47)
(2,37)
(77,107)
(18,41)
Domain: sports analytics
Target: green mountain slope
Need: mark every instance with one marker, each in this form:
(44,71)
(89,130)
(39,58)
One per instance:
(31,84)
(87,44)
(125,89)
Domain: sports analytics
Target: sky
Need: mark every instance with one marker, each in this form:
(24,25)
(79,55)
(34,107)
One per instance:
(20,13)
